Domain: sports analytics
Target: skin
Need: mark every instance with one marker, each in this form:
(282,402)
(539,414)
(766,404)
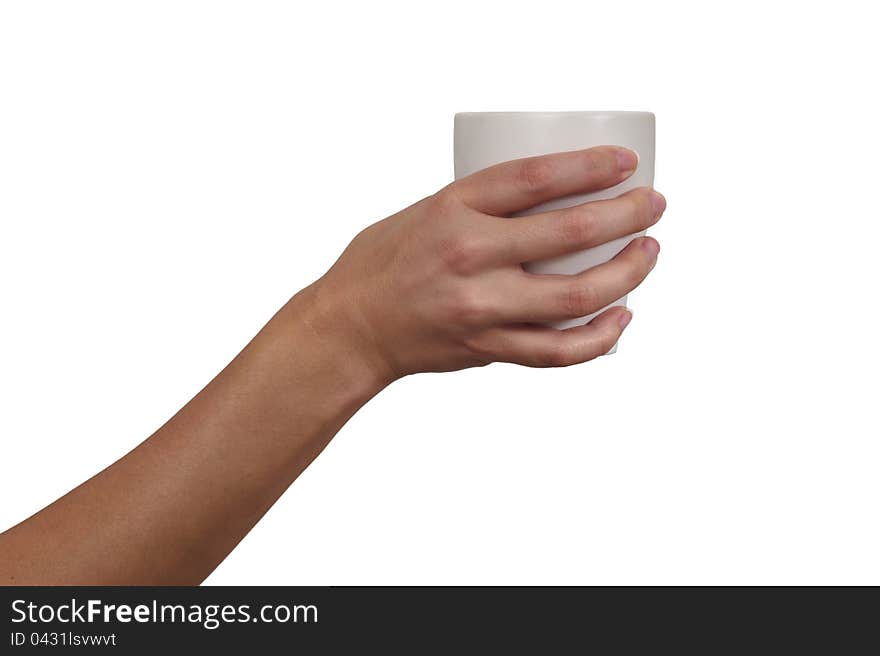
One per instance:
(437,287)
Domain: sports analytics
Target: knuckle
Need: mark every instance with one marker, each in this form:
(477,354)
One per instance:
(577,226)
(461,253)
(446,201)
(480,349)
(639,208)
(467,308)
(605,342)
(635,272)
(535,174)
(633,207)
(561,354)
(578,300)
(645,208)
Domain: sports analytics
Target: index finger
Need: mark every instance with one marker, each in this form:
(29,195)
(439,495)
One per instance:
(523,183)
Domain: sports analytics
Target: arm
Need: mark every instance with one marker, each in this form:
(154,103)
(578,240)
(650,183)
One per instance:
(437,287)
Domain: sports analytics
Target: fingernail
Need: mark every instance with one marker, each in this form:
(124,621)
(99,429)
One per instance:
(658,202)
(651,246)
(625,317)
(627,160)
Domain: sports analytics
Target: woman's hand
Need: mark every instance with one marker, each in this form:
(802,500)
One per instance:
(440,286)
(436,287)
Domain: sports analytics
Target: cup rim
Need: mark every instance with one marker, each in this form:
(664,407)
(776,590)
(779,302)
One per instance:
(591,113)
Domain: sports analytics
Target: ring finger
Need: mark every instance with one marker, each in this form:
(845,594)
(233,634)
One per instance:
(543,297)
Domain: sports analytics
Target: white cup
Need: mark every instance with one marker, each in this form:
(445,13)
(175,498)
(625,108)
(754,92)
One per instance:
(486,138)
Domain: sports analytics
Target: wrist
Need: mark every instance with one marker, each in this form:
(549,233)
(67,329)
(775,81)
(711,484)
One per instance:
(325,335)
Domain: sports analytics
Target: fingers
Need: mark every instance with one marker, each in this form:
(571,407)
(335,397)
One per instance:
(539,298)
(540,236)
(536,346)
(524,183)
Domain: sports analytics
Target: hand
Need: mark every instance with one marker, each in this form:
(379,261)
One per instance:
(440,286)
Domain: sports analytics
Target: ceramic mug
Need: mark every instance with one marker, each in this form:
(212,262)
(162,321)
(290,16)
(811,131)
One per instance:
(486,138)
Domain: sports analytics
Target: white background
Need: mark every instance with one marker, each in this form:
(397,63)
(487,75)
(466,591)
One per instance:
(171,172)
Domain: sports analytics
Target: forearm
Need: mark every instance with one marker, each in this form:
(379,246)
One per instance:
(174,507)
